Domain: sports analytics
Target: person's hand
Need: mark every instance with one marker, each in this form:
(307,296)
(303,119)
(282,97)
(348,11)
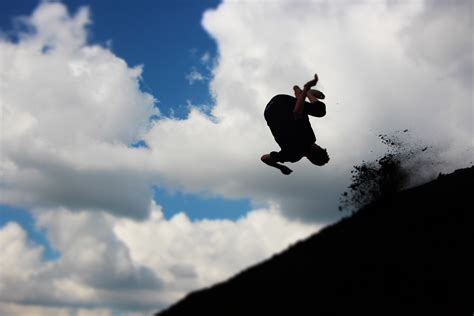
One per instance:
(312,82)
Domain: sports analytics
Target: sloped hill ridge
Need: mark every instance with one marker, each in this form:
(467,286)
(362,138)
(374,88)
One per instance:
(409,254)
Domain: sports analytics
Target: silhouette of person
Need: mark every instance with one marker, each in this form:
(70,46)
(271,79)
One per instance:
(288,120)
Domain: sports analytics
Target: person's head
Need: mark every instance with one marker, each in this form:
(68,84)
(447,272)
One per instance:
(317,155)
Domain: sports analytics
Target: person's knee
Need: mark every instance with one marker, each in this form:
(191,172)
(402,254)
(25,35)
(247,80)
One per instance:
(316,109)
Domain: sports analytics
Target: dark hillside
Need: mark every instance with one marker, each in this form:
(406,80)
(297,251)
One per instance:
(410,254)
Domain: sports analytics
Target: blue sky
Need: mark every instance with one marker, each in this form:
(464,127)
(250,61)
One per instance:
(168,39)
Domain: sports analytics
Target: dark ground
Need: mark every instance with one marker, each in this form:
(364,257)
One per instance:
(408,253)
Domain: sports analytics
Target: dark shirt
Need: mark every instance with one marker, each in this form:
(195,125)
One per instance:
(291,131)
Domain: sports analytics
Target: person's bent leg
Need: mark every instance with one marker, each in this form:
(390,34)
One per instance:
(267,159)
(316,109)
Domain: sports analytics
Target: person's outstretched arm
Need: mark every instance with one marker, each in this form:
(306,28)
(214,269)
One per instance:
(269,161)
(299,106)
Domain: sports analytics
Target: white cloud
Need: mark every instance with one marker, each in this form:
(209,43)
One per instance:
(64,148)
(373,86)
(11,309)
(109,263)
(206,58)
(69,146)
(207,251)
(68,115)
(18,256)
(70,109)
(195,76)
(453,54)
(94,271)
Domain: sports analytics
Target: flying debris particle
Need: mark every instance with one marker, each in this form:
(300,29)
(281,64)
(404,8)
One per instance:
(388,174)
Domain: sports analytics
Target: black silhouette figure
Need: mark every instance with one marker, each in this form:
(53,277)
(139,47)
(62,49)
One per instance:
(288,120)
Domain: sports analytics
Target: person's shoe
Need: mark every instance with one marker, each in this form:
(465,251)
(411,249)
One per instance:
(285,170)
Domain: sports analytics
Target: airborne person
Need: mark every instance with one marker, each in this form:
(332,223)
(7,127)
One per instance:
(288,120)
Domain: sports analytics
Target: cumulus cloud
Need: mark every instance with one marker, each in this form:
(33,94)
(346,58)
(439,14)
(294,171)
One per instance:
(195,76)
(66,154)
(111,263)
(18,257)
(363,53)
(66,141)
(441,35)
(206,251)
(31,310)
(69,112)
(205,58)
(95,269)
